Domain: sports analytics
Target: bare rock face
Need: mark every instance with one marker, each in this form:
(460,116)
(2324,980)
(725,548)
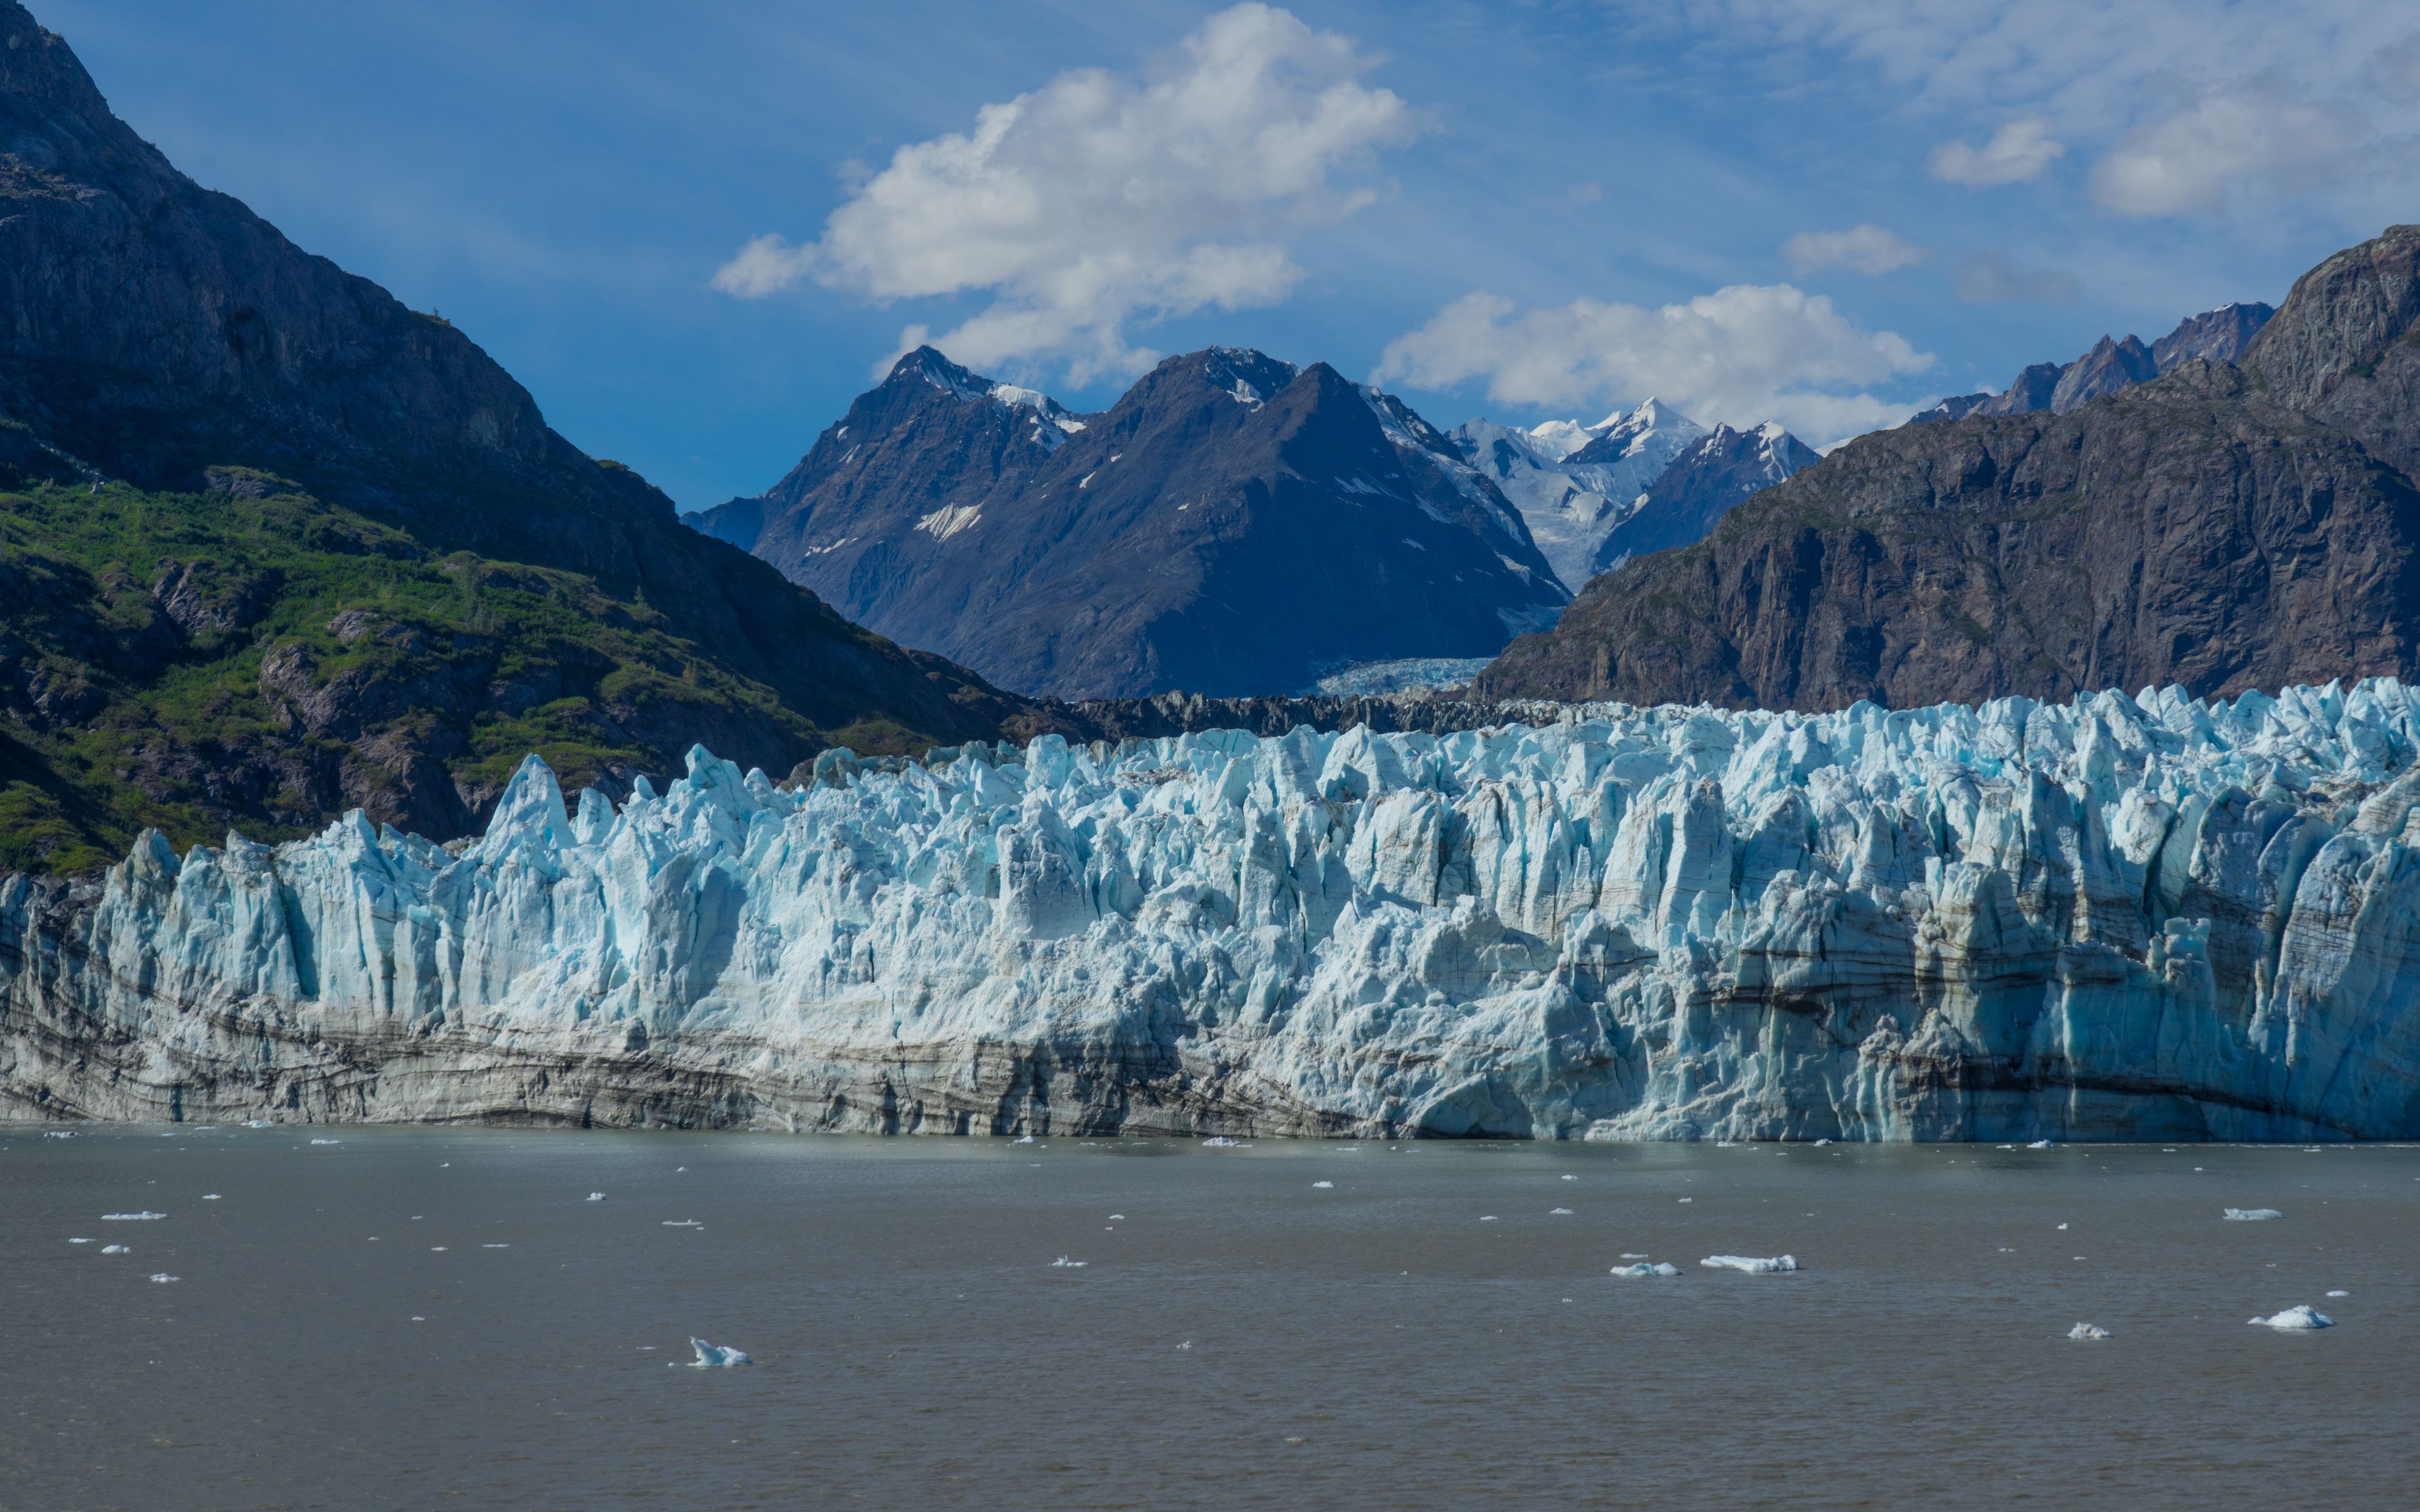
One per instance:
(2215,529)
(2111,919)
(1194,536)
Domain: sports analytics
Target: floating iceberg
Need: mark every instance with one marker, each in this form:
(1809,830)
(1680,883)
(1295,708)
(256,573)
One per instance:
(2249,1215)
(117,1249)
(58,1134)
(1558,1213)
(1221,1142)
(2111,918)
(2041,1144)
(1064,1263)
(210,1196)
(163,1278)
(2295,1320)
(2086,1331)
(1753,1265)
(682,1222)
(2339,1293)
(1646,1269)
(712,1355)
(145,1216)
(595,1197)
(1317,1185)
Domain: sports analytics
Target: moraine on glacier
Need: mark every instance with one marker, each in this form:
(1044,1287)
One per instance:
(2144,918)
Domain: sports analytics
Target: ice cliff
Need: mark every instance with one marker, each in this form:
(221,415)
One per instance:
(2146,918)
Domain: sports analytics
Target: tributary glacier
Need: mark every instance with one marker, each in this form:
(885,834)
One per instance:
(2118,917)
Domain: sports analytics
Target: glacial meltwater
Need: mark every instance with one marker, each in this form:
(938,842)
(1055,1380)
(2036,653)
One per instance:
(350,1316)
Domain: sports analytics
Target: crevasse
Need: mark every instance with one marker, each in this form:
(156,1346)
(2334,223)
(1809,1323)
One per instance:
(2146,918)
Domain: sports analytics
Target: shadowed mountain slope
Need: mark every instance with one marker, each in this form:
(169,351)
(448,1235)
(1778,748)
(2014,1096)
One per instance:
(2215,527)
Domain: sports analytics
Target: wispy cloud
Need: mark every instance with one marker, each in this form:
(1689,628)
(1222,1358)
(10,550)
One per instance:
(2173,105)
(1866,249)
(1098,201)
(1743,354)
(2018,151)
(1989,277)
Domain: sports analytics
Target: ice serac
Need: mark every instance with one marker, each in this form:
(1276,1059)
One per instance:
(2115,918)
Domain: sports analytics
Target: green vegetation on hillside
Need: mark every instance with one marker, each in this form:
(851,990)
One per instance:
(255,656)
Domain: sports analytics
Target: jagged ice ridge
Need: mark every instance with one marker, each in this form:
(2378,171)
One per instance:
(2146,918)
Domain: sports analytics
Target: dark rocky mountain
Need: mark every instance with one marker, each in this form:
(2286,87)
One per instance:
(2219,336)
(1722,469)
(1230,526)
(275,545)
(2216,528)
(2222,335)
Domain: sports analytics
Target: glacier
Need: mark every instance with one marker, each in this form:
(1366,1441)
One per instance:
(2112,919)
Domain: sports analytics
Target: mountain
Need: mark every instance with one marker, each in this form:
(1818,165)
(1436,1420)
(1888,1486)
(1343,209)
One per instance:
(1575,482)
(1716,471)
(275,545)
(2220,335)
(2216,528)
(1231,525)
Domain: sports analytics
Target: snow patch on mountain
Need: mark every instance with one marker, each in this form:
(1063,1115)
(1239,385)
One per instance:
(1574,483)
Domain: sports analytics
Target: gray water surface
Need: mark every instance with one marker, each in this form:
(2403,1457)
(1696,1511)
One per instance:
(1426,1331)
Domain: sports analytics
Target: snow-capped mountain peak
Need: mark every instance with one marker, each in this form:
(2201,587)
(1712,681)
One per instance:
(1575,482)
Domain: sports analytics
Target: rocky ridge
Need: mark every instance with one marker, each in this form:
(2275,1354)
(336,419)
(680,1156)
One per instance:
(2217,528)
(1189,537)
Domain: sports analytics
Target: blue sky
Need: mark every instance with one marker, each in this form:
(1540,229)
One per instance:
(1823,210)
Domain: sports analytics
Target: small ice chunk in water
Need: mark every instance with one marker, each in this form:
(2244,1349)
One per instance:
(2086,1331)
(2041,1144)
(1489,1219)
(144,1216)
(115,1249)
(79,1242)
(2339,1293)
(2252,1215)
(682,1222)
(1029,1139)
(1316,1185)
(327,1141)
(1752,1264)
(1821,1143)
(2299,1318)
(1635,1270)
(161,1277)
(1117,1217)
(1628,1255)
(1221,1142)
(210,1196)
(1558,1213)
(710,1355)
(258,1123)
(1570,1178)
(61,1133)
(1688,1199)
(2062,1226)
(595,1197)
(495,1246)
(1064,1263)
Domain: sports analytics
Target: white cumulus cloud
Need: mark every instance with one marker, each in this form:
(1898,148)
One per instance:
(1744,354)
(1865,249)
(2254,133)
(2018,151)
(1096,201)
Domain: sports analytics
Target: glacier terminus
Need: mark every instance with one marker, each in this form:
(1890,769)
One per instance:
(2146,917)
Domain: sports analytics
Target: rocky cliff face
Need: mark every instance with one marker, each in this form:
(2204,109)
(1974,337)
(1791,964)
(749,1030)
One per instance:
(2217,529)
(266,444)
(1232,525)
(2104,920)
